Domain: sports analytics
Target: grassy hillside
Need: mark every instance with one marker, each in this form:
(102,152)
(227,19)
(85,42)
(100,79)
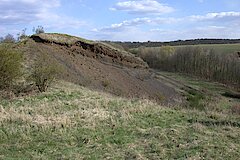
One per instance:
(200,121)
(72,122)
(203,95)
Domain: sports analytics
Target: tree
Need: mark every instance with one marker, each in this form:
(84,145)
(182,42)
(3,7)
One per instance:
(10,66)
(22,34)
(1,39)
(9,39)
(44,72)
(197,61)
(38,30)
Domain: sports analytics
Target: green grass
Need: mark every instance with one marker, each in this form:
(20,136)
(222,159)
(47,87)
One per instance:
(72,122)
(205,95)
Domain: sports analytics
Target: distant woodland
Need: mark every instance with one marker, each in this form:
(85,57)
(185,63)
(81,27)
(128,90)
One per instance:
(196,61)
(129,45)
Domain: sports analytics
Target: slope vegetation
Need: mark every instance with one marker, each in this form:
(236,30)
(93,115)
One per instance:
(72,122)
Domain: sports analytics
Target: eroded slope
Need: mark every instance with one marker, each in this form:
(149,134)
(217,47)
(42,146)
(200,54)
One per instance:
(99,66)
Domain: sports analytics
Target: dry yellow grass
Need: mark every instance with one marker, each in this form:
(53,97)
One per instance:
(62,38)
(72,122)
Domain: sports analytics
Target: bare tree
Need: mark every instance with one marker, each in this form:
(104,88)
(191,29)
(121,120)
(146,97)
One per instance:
(9,39)
(22,34)
(44,72)
(38,30)
(224,68)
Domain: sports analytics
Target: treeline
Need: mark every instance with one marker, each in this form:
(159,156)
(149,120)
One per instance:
(9,38)
(207,64)
(129,45)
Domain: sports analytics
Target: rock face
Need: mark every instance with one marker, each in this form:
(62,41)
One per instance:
(99,66)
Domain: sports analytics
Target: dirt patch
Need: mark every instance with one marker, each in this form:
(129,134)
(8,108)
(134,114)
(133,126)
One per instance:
(100,67)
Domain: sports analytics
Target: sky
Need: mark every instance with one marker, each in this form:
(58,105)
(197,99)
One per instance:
(124,20)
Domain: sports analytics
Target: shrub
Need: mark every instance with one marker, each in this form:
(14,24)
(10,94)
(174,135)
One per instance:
(22,35)
(44,72)
(10,66)
(39,30)
(105,83)
(9,39)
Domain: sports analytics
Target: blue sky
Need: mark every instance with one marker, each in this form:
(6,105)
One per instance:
(124,20)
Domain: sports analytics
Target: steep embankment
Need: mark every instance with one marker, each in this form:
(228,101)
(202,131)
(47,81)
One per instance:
(99,66)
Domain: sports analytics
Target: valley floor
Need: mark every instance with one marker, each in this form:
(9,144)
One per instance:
(72,122)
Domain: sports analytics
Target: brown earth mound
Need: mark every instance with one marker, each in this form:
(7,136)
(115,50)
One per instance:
(99,66)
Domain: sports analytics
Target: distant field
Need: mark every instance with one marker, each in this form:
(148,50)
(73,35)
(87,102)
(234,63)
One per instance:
(219,48)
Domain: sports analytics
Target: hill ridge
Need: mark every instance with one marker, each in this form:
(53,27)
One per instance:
(101,51)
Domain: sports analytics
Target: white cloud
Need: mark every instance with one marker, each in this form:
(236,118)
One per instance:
(211,25)
(127,23)
(143,7)
(158,34)
(35,12)
(138,22)
(24,11)
(212,16)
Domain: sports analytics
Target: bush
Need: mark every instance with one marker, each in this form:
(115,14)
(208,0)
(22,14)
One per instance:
(10,66)
(44,72)
(39,30)
(9,39)
(22,35)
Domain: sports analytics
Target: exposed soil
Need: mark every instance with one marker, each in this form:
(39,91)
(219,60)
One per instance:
(101,67)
